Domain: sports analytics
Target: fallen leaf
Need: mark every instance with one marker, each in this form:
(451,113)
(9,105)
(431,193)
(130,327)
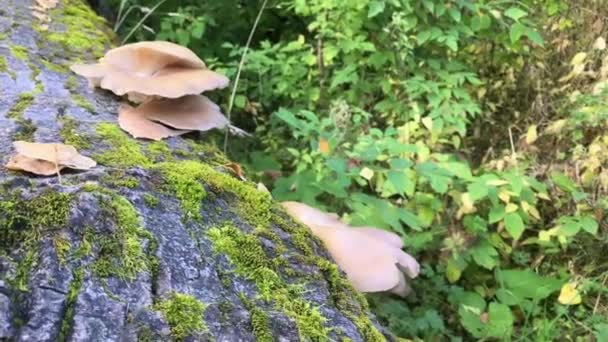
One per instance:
(61,154)
(237,169)
(20,162)
(531,135)
(600,44)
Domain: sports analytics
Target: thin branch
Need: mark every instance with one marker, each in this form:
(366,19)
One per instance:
(241,65)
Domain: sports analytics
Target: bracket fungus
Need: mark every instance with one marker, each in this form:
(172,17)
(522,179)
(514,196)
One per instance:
(371,258)
(167,79)
(46,159)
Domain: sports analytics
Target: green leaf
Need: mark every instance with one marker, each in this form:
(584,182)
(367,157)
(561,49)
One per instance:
(526,284)
(455,14)
(517,31)
(485,255)
(514,225)
(496,214)
(240,101)
(589,224)
(500,321)
(535,37)
(563,182)
(477,190)
(515,13)
(401,182)
(375,7)
(470,310)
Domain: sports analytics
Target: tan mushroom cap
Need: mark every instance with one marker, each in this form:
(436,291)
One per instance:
(151,56)
(134,122)
(19,162)
(371,258)
(193,112)
(60,154)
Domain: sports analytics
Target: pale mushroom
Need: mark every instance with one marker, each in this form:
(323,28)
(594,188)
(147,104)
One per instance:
(193,112)
(152,69)
(371,258)
(134,122)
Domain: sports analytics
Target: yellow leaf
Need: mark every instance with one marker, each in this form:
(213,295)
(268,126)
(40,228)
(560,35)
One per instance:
(367,173)
(600,44)
(428,123)
(532,135)
(569,295)
(452,272)
(511,208)
(578,59)
(556,127)
(504,195)
(467,205)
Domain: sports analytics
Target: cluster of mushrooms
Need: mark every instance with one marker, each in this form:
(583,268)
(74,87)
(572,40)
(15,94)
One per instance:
(166,80)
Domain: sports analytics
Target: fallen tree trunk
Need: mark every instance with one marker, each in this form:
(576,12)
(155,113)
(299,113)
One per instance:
(159,241)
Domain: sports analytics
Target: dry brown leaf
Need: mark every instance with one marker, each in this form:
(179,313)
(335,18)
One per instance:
(238,170)
(20,162)
(138,126)
(193,112)
(61,154)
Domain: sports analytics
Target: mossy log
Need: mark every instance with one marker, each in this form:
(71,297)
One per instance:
(159,242)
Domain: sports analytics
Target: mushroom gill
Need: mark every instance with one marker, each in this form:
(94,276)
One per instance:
(371,258)
(134,122)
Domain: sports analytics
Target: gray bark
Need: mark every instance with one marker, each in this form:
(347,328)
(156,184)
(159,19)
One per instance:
(65,261)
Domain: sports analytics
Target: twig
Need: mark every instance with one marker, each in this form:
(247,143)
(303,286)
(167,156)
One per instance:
(599,296)
(241,65)
(142,21)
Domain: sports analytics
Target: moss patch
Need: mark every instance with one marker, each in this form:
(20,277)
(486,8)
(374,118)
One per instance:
(26,127)
(19,52)
(82,102)
(184,178)
(184,314)
(122,151)
(24,222)
(260,322)
(70,133)
(4,67)
(151,201)
(121,254)
(68,316)
(250,260)
(84,30)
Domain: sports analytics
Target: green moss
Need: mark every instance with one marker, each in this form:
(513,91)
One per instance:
(121,254)
(56,67)
(159,151)
(183,177)
(4,67)
(151,201)
(70,133)
(184,314)
(122,150)
(84,30)
(23,223)
(260,322)
(82,102)
(71,83)
(119,179)
(70,304)
(62,247)
(26,130)
(23,102)
(19,52)
(250,260)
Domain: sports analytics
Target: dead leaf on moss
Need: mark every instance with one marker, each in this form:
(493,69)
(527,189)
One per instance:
(238,170)
(136,124)
(60,154)
(20,162)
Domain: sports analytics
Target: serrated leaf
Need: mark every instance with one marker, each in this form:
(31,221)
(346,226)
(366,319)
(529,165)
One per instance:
(500,321)
(514,225)
(511,208)
(496,214)
(517,31)
(589,224)
(526,284)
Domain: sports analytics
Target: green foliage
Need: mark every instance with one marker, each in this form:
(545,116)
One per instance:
(410,116)
(184,313)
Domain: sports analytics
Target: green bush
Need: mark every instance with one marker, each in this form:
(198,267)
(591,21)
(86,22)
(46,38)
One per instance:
(386,111)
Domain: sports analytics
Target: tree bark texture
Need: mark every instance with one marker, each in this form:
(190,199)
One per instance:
(160,241)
